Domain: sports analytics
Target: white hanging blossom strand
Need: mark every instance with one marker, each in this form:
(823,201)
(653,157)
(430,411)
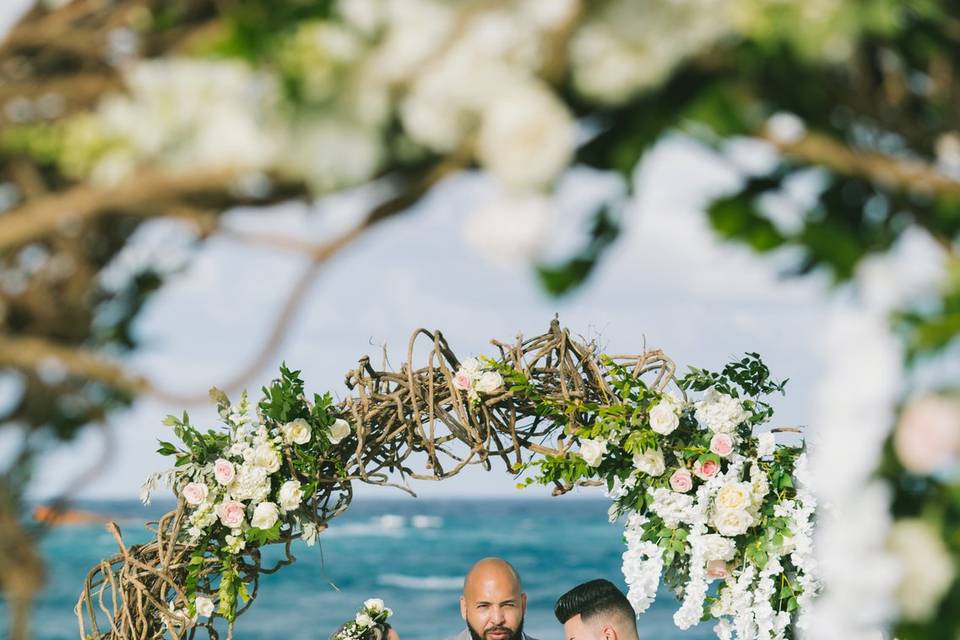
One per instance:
(642,565)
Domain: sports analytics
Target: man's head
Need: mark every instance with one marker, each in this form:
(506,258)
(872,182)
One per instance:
(596,610)
(493,602)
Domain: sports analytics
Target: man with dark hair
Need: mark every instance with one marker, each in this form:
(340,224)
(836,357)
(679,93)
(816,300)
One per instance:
(596,610)
(493,603)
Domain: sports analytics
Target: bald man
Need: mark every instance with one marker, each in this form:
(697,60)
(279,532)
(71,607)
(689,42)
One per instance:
(596,610)
(493,602)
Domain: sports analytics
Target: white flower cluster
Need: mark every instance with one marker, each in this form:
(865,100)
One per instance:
(475,379)
(642,565)
(714,500)
(744,608)
(248,486)
(626,47)
(720,413)
(179,114)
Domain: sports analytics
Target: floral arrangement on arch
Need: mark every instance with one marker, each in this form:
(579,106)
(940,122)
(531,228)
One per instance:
(251,483)
(721,514)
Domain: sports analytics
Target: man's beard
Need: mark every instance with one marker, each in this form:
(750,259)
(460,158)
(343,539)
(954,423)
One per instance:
(517,635)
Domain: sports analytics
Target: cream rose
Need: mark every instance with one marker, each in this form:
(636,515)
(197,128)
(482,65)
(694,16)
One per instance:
(650,462)
(265,515)
(470,365)
(926,568)
(734,495)
(195,493)
(231,513)
(296,431)
(204,606)
(374,604)
(339,430)
(716,547)
(663,417)
(266,457)
(681,481)
(732,522)
(224,471)
(363,620)
(592,451)
(489,382)
(290,495)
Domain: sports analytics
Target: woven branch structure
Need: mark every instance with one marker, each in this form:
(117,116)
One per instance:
(396,414)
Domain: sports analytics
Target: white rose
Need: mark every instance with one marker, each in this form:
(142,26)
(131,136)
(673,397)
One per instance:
(195,493)
(373,604)
(363,620)
(470,365)
(296,431)
(489,382)
(266,458)
(290,495)
(527,136)
(592,451)
(716,547)
(734,496)
(732,522)
(664,418)
(650,462)
(339,430)
(204,606)
(926,569)
(264,515)
(766,444)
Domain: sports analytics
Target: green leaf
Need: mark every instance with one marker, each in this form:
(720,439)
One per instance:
(563,278)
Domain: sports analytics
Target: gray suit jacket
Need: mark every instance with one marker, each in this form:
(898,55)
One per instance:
(465,635)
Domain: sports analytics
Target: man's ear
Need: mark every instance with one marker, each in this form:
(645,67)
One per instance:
(463,607)
(523,603)
(609,632)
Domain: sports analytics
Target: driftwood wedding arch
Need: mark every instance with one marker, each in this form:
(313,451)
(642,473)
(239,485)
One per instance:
(411,423)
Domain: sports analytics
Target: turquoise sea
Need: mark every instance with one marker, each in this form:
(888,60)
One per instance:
(410,552)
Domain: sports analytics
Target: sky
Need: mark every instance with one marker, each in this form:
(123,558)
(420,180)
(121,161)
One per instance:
(667,283)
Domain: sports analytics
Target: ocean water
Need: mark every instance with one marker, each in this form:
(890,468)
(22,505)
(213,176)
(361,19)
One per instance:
(411,552)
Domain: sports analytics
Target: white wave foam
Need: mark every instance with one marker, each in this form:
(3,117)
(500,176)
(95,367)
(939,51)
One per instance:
(421,583)
(426,522)
(390,521)
(388,525)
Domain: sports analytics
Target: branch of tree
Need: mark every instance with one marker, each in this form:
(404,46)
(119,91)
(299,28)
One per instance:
(889,171)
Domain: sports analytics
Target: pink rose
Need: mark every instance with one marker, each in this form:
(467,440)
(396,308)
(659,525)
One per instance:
(231,513)
(681,481)
(223,471)
(721,444)
(928,435)
(706,470)
(462,380)
(195,493)
(717,569)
